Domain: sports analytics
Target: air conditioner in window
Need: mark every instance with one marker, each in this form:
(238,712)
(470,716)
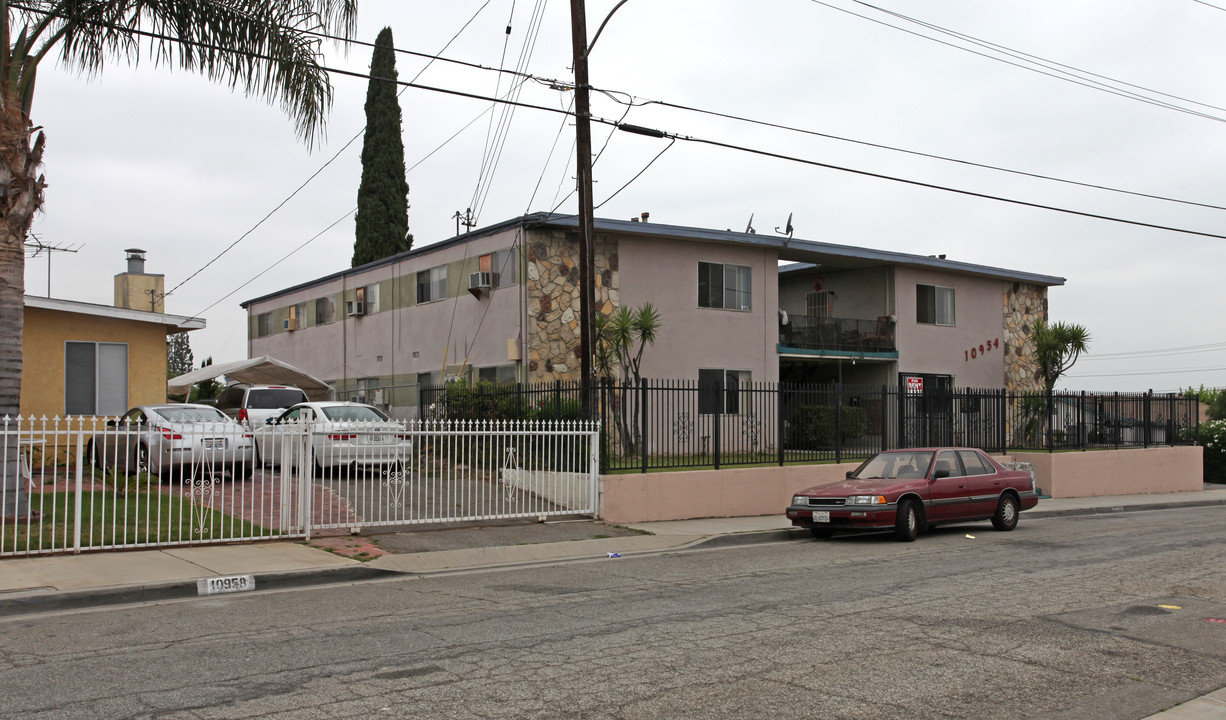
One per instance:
(353,307)
(479,280)
(289,324)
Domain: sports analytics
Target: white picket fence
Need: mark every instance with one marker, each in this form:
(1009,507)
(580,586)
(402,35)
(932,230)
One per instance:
(81,483)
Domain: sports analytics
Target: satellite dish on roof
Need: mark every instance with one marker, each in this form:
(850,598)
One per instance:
(787,230)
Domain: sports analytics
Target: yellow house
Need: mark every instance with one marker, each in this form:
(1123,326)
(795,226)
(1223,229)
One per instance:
(87,359)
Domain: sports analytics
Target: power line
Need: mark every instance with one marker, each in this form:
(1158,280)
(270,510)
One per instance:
(1147,372)
(1159,352)
(778,126)
(1057,74)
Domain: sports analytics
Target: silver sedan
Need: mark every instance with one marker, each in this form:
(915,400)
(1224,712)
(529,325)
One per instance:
(343,434)
(177,438)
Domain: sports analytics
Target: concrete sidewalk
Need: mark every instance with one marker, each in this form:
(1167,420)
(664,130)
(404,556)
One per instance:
(61,581)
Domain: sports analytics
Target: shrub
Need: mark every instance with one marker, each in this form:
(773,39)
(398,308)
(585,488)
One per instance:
(1213,439)
(813,425)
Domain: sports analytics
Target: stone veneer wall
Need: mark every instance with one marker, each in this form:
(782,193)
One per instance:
(1024,305)
(553,301)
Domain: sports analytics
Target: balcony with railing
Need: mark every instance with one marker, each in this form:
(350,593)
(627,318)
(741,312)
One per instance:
(839,336)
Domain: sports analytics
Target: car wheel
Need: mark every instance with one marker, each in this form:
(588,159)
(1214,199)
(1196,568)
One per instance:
(91,452)
(821,533)
(906,521)
(140,460)
(1006,513)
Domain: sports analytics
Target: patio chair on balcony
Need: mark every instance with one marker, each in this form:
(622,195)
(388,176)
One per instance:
(848,333)
(880,338)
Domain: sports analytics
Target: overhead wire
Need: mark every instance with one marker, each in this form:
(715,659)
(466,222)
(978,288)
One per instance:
(1048,71)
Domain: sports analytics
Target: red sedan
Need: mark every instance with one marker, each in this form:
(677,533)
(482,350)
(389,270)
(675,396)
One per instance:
(910,490)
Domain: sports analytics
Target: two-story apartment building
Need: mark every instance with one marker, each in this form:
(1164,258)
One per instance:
(502,303)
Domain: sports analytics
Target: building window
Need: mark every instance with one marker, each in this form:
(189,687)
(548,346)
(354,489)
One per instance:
(502,265)
(820,305)
(934,305)
(723,286)
(325,310)
(502,374)
(719,391)
(263,324)
(95,378)
(370,295)
(432,284)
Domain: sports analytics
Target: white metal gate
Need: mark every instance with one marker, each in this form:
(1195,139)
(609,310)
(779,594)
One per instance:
(77,484)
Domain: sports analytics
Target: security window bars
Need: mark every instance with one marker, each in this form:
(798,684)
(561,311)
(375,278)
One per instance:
(934,305)
(724,286)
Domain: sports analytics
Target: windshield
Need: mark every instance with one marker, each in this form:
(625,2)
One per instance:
(193,414)
(353,413)
(893,465)
(272,399)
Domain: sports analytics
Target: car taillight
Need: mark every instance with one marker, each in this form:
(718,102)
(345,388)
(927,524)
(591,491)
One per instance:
(242,415)
(341,437)
(169,434)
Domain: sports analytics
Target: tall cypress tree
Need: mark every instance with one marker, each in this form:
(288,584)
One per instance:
(383,207)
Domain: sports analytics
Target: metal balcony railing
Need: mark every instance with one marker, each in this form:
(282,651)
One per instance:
(847,335)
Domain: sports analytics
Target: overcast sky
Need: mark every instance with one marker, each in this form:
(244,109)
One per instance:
(165,161)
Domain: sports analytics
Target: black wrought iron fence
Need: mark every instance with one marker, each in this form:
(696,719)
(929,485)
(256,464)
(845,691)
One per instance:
(685,424)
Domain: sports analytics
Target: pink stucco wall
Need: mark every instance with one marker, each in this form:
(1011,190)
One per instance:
(1117,472)
(746,492)
(940,349)
(666,274)
(739,492)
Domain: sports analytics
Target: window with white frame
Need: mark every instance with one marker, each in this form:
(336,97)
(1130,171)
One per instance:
(95,378)
(719,391)
(432,284)
(820,304)
(724,286)
(934,305)
(370,293)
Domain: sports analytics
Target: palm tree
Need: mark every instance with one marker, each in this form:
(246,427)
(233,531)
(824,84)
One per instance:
(616,337)
(1056,348)
(266,47)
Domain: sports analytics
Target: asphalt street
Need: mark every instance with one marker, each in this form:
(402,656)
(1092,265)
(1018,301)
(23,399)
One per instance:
(1100,616)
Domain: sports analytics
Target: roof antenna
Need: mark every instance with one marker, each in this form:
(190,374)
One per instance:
(749,226)
(786,231)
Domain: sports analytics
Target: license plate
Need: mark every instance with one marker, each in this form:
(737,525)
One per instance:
(231,584)
(214,443)
(822,516)
(375,439)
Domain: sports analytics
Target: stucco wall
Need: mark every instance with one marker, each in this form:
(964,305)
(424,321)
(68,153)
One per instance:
(403,338)
(948,350)
(666,274)
(767,490)
(734,492)
(42,374)
(1117,472)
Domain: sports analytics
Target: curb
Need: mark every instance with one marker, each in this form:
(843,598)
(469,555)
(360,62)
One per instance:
(1116,509)
(179,590)
(183,589)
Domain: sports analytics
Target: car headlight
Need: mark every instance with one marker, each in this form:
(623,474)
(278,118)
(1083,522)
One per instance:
(866,500)
(800,500)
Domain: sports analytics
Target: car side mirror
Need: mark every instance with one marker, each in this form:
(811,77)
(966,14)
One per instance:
(940,474)
(850,473)
(269,421)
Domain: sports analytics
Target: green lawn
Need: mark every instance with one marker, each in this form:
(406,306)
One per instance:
(135,518)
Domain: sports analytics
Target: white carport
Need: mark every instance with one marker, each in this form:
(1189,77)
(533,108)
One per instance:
(265,370)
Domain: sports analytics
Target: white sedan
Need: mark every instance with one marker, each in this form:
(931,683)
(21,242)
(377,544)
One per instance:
(343,434)
(175,438)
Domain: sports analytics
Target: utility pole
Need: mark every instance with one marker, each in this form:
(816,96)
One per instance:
(587,225)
